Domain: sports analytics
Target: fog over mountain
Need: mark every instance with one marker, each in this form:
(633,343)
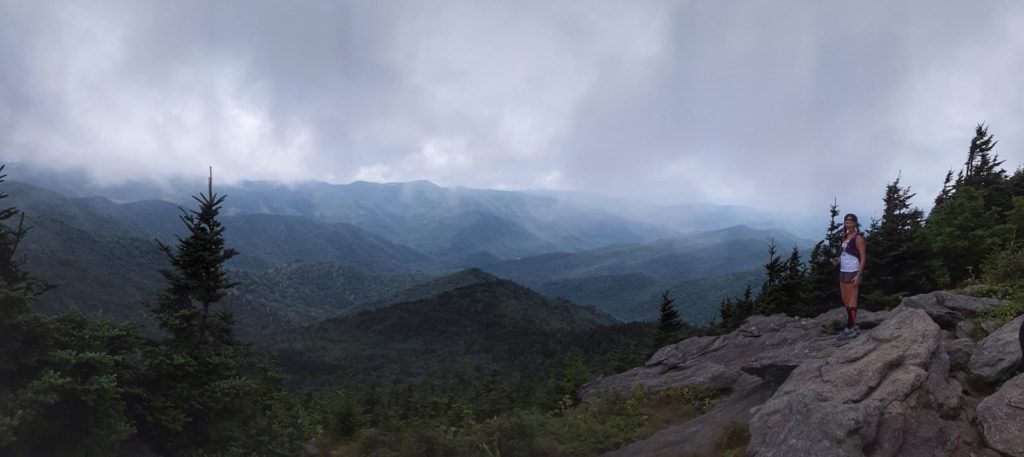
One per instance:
(731,103)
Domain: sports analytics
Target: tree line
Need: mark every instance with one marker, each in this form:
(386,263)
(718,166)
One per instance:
(74,385)
(970,235)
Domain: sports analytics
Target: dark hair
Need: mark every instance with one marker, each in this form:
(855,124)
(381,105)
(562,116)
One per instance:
(851,217)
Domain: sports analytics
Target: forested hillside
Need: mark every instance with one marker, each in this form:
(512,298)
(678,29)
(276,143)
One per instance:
(460,363)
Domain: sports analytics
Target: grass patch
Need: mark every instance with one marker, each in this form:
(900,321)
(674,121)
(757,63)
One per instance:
(1001,315)
(732,439)
(1004,313)
(1003,283)
(595,427)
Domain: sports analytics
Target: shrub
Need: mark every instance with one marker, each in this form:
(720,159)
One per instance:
(732,439)
(1004,267)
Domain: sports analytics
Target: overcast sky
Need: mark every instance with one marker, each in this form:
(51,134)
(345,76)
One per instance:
(738,102)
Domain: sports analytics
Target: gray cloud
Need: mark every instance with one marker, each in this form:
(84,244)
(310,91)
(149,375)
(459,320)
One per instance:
(728,102)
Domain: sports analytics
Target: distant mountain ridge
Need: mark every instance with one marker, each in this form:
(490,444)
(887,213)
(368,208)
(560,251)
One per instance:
(452,223)
(469,328)
(365,205)
(699,269)
(104,260)
(103,255)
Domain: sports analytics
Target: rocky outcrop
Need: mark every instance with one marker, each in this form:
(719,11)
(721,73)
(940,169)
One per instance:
(1001,416)
(769,347)
(998,354)
(948,309)
(960,351)
(886,394)
(900,389)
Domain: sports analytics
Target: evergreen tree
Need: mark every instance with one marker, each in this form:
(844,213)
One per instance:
(670,326)
(17,287)
(59,377)
(199,391)
(772,298)
(899,260)
(821,290)
(197,279)
(1015,183)
(791,287)
(982,165)
(947,190)
(734,311)
(961,234)
(983,171)
(969,220)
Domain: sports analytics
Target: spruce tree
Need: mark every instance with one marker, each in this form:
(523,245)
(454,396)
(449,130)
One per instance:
(197,280)
(970,219)
(771,299)
(60,377)
(201,392)
(947,190)
(961,234)
(17,287)
(899,260)
(821,290)
(670,326)
(791,287)
(982,171)
(734,311)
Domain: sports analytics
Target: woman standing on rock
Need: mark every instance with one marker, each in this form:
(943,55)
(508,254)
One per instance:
(851,265)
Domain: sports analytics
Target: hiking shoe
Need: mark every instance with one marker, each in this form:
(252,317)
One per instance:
(844,334)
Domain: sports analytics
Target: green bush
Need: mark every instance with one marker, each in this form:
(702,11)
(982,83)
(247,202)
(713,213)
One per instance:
(339,416)
(62,394)
(1004,268)
(732,439)
(1003,313)
(600,425)
(219,402)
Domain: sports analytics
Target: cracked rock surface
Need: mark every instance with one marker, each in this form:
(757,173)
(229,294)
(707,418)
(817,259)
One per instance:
(1001,416)
(908,386)
(769,347)
(865,397)
(998,354)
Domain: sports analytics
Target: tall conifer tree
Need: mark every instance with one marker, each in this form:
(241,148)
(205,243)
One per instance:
(197,280)
(670,326)
(969,220)
(899,260)
(791,288)
(821,286)
(60,377)
(771,298)
(202,393)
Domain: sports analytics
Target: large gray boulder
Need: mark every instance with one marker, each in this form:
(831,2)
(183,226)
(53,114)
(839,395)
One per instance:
(885,394)
(904,388)
(1001,416)
(948,309)
(960,351)
(998,355)
(768,347)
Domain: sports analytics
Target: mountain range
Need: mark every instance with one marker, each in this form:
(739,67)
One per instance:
(464,325)
(444,221)
(103,256)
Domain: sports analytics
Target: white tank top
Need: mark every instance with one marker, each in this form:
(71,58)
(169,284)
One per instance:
(847,262)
